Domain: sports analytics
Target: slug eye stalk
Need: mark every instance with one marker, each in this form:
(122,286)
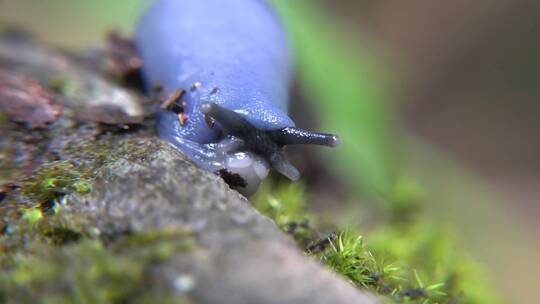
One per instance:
(268,144)
(296,136)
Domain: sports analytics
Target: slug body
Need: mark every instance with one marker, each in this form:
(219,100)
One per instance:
(232,61)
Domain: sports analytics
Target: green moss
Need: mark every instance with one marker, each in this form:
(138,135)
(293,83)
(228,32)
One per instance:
(351,257)
(286,205)
(156,245)
(32,215)
(62,85)
(404,202)
(53,259)
(93,154)
(429,251)
(36,227)
(85,272)
(407,258)
(54,179)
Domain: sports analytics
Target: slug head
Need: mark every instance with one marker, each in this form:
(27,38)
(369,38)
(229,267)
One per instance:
(243,154)
(266,144)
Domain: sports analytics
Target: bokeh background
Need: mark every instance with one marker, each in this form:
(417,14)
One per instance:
(441,94)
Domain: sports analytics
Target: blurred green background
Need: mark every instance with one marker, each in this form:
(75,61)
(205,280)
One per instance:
(437,99)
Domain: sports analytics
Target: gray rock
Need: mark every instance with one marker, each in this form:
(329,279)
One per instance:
(241,257)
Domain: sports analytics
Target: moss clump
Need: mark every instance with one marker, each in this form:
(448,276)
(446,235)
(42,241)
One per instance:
(85,272)
(404,203)
(349,256)
(32,215)
(36,227)
(407,258)
(55,179)
(396,279)
(155,245)
(285,204)
(53,260)
(52,180)
(428,252)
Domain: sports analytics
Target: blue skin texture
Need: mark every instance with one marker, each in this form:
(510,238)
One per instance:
(236,46)
(236,52)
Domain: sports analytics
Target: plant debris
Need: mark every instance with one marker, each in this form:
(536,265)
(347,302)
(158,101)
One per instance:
(232,179)
(173,101)
(26,101)
(109,115)
(122,60)
(321,244)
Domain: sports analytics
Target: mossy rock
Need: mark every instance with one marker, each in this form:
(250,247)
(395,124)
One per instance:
(94,213)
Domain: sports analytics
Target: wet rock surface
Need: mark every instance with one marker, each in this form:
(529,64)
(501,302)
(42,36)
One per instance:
(109,213)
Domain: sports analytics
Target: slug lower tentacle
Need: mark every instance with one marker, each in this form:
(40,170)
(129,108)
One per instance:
(226,157)
(231,59)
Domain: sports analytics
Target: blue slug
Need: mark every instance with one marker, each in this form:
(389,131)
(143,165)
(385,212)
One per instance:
(231,58)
